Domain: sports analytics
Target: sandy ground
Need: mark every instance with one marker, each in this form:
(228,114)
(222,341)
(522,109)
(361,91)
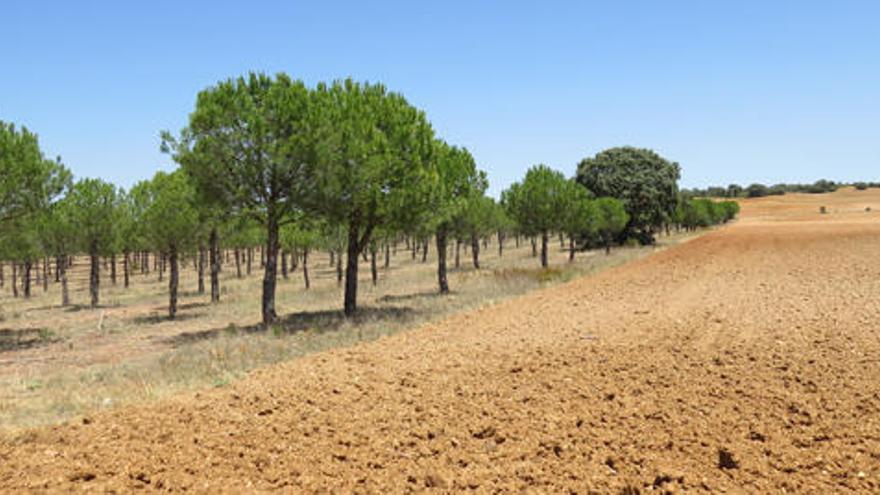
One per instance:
(747,360)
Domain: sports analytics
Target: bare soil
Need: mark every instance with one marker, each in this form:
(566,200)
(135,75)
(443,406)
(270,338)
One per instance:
(747,359)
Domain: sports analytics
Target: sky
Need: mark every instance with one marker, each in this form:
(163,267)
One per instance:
(737,91)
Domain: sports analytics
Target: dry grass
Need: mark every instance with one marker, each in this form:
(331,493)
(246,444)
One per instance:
(60,362)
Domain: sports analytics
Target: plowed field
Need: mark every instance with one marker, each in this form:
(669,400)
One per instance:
(746,359)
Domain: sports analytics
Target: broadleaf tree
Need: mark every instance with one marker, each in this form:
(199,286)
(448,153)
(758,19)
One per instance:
(646,183)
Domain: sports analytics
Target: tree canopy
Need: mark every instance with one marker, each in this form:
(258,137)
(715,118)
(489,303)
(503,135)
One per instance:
(646,183)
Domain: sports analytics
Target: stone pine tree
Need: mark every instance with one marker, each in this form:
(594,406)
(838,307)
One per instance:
(59,237)
(212,211)
(579,216)
(93,204)
(169,221)
(29,183)
(646,183)
(28,180)
(458,180)
(374,165)
(612,219)
(475,220)
(538,203)
(248,146)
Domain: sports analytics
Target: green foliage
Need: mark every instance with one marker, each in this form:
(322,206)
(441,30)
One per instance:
(477,218)
(645,182)
(580,216)
(57,228)
(28,181)
(760,190)
(458,183)
(612,219)
(757,191)
(374,160)
(538,203)
(247,145)
(702,212)
(170,217)
(92,204)
(300,236)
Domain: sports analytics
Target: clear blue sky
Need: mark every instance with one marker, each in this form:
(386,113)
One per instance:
(735,91)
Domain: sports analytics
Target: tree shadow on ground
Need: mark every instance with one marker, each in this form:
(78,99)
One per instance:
(154,319)
(409,297)
(184,306)
(320,321)
(25,338)
(74,308)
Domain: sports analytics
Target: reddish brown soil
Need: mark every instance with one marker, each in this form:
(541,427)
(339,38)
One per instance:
(745,360)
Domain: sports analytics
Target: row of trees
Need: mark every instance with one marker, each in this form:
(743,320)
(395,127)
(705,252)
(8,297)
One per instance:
(694,213)
(757,190)
(347,168)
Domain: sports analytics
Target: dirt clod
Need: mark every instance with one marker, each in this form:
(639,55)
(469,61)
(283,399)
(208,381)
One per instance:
(726,460)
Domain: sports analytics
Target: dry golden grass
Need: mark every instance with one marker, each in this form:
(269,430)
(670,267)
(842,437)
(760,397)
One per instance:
(60,362)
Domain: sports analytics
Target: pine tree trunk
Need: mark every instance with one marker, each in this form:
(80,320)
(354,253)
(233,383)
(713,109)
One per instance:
(387,255)
(65,294)
(332,258)
(457,252)
(94,274)
(215,266)
(2,275)
(126,269)
(14,279)
(271,271)
(283,264)
(534,248)
(250,259)
(57,271)
(26,278)
(425,250)
(570,248)
(339,270)
(545,238)
(475,250)
(561,240)
(441,260)
(113,268)
(161,258)
(374,271)
(351,269)
(500,244)
(200,269)
(237,263)
(173,280)
(306,268)
(45,274)
(294,261)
